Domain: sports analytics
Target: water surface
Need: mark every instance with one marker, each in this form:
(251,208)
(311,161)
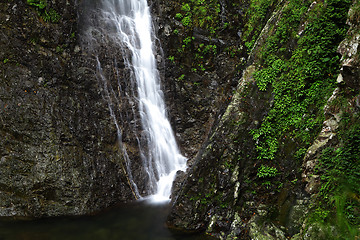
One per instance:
(130,222)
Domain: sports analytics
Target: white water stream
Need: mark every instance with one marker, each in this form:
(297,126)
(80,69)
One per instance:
(130,23)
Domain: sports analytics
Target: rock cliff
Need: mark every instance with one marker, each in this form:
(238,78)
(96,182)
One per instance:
(263,96)
(58,146)
(263,164)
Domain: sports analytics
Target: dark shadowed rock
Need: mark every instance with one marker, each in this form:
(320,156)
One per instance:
(58,144)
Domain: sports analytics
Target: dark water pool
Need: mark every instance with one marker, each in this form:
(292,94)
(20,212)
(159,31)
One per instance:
(131,222)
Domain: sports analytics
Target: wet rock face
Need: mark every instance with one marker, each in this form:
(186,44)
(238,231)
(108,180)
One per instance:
(58,148)
(195,97)
(222,194)
(216,185)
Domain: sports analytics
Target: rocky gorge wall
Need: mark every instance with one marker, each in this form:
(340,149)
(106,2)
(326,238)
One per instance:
(263,100)
(267,162)
(58,146)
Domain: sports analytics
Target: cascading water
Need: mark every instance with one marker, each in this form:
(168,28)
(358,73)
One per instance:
(128,22)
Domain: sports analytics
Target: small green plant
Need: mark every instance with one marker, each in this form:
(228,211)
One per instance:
(188,40)
(172,59)
(176,32)
(224,205)
(198,56)
(201,67)
(186,7)
(59,49)
(46,13)
(266,184)
(41,4)
(51,16)
(179,16)
(232,51)
(186,21)
(5,60)
(33,40)
(207,49)
(181,77)
(267,172)
(320,214)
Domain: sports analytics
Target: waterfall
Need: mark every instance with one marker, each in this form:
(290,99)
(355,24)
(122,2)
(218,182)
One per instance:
(128,23)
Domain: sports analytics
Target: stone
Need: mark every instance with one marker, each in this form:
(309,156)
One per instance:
(264,231)
(317,231)
(57,139)
(77,49)
(339,78)
(297,216)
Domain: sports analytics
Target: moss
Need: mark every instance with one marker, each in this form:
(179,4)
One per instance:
(200,17)
(256,15)
(44,11)
(338,201)
(299,82)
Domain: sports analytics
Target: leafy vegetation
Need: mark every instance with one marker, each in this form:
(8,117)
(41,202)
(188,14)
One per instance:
(302,80)
(297,66)
(267,172)
(46,13)
(256,15)
(41,4)
(197,14)
(338,201)
(211,23)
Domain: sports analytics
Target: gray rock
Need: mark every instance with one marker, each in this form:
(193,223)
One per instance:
(58,149)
